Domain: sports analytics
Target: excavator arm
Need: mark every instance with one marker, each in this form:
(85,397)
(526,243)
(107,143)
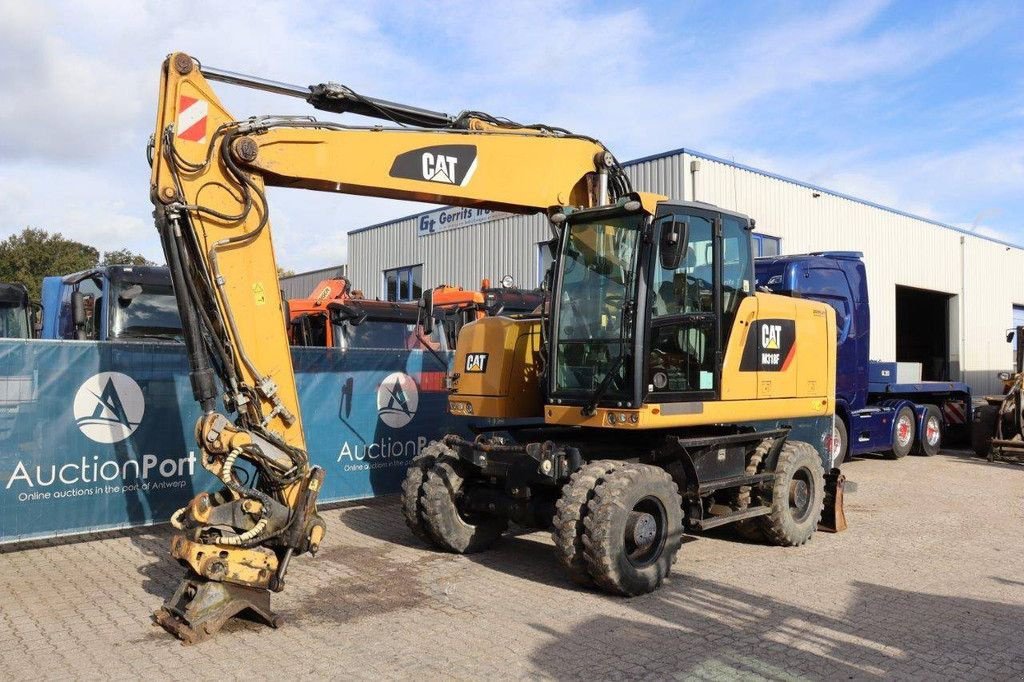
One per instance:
(209,176)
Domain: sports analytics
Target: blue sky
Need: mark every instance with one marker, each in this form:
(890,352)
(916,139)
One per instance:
(917,105)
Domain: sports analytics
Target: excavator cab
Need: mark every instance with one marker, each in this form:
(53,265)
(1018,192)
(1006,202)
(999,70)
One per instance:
(645,304)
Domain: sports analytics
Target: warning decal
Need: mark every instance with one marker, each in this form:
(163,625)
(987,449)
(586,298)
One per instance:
(192,114)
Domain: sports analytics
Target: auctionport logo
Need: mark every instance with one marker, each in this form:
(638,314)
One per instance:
(397,399)
(109,407)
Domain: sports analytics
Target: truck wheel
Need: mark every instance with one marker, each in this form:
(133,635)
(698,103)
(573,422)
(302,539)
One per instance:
(798,496)
(633,529)
(571,510)
(840,441)
(983,429)
(412,490)
(929,441)
(448,526)
(902,433)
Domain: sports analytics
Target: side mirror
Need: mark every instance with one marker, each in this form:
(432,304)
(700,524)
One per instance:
(78,315)
(78,308)
(425,314)
(674,237)
(1009,336)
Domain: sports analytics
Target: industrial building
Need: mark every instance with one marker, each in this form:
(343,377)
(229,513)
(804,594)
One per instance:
(300,285)
(940,295)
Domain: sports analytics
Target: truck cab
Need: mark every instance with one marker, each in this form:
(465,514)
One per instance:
(333,318)
(15,312)
(111,303)
(880,406)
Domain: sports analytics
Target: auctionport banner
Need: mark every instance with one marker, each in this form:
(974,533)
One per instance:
(97,436)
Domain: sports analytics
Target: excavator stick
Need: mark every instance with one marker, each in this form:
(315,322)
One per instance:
(833,518)
(200,607)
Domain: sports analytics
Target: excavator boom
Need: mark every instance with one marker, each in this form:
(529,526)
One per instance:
(208,185)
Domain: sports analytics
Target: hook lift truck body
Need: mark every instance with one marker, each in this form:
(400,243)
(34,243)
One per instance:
(706,387)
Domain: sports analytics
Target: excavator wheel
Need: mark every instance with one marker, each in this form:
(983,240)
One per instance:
(797,496)
(633,529)
(983,428)
(570,512)
(450,528)
(412,490)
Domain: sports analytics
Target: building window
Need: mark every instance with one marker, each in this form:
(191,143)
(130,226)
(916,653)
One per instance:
(404,284)
(765,245)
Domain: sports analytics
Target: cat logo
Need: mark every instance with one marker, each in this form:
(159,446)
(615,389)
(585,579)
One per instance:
(439,168)
(771,336)
(449,164)
(770,346)
(476,362)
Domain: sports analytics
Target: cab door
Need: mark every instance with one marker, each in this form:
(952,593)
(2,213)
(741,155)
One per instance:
(693,305)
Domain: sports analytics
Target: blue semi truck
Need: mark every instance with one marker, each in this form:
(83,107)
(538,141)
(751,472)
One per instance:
(111,302)
(878,410)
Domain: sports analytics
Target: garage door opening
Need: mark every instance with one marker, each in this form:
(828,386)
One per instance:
(922,331)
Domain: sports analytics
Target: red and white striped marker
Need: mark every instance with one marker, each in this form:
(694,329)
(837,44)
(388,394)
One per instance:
(192,118)
(955,412)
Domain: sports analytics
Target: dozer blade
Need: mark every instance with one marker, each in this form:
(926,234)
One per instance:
(833,518)
(200,607)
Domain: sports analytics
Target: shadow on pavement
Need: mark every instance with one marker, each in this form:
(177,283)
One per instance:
(709,630)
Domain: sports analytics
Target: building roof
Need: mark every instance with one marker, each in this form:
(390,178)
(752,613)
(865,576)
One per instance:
(701,155)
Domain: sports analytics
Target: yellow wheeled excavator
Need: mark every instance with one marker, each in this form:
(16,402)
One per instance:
(657,365)
(209,173)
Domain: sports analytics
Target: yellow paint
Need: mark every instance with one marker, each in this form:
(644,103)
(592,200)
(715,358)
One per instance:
(259,294)
(509,387)
(250,567)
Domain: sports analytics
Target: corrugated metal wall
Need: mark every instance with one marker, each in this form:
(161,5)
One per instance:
(462,257)
(301,284)
(984,278)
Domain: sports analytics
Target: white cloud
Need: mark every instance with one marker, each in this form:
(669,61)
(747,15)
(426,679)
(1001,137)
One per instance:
(80,88)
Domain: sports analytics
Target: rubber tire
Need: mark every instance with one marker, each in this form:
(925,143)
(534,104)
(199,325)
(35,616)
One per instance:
(897,451)
(412,489)
(844,435)
(605,525)
(921,447)
(779,527)
(571,510)
(983,429)
(448,529)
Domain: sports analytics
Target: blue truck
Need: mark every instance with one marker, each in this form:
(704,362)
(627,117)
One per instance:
(877,409)
(111,302)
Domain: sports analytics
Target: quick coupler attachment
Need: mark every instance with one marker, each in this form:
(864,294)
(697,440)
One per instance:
(200,607)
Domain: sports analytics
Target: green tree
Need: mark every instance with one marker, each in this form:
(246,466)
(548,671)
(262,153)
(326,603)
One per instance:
(29,256)
(124,257)
(284,272)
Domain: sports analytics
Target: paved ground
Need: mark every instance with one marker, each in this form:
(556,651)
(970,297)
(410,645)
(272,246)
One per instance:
(928,583)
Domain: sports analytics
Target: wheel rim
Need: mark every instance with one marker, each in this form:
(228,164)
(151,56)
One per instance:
(932,430)
(904,430)
(836,444)
(800,494)
(645,533)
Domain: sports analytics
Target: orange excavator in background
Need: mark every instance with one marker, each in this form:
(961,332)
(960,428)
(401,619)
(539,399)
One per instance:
(336,316)
(454,307)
